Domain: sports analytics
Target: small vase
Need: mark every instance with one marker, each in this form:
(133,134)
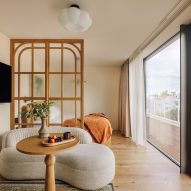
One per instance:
(43,132)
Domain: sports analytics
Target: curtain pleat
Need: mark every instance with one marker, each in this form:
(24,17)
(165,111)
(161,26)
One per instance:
(124,112)
(185,36)
(137,100)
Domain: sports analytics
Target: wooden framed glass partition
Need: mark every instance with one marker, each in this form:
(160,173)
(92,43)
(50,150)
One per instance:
(51,70)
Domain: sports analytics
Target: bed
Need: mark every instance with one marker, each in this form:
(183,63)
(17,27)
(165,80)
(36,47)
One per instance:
(97,124)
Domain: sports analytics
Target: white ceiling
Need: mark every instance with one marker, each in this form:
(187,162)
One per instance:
(119,26)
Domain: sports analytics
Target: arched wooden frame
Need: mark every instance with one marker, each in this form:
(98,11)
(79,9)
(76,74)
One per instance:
(18,46)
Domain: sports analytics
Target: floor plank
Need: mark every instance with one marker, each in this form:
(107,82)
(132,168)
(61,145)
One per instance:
(143,168)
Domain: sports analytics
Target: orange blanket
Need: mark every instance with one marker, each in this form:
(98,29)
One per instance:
(96,124)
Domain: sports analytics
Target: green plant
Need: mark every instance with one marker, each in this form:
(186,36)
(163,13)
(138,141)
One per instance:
(37,110)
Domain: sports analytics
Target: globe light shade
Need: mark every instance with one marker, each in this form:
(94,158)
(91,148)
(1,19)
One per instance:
(74,19)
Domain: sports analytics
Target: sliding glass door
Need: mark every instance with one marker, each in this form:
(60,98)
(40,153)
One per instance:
(162,79)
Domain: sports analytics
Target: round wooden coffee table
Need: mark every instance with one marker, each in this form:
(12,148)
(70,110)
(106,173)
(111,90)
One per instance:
(33,146)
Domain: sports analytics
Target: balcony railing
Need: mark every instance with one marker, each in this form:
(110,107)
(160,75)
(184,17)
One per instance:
(165,110)
(164,119)
(164,134)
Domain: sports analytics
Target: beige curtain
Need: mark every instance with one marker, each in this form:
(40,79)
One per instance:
(124,111)
(137,100)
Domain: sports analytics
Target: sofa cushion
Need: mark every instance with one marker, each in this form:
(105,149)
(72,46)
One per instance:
(88,166)
(17,166)
(90,157)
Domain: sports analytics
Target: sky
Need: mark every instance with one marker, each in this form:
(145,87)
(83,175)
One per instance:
(163,70)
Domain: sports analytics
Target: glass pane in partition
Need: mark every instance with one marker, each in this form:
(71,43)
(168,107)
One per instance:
(29,122)
(16,113)
(25,61)
(69,85)
(78,109)
(39,85)
(55,85)
(68,109)
(55,45)
(162,77)
(19,119)
(55,60)
(78,85)
(16,85)
(25,85)
(78,63)
(41,45)
(39,60)
(23,52)
(16,63)
(69,61)
(72,52)
(26,122)
(55,112)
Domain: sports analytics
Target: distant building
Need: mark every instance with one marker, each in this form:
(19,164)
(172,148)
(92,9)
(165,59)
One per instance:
(165,104)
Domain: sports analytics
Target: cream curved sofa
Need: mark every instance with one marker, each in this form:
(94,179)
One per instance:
(88,166)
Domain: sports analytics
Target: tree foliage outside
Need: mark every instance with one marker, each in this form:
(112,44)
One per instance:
(172,114)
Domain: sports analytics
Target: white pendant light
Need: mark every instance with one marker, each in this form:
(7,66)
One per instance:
(74,19)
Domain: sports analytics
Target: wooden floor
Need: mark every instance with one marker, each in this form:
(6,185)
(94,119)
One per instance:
(143,168)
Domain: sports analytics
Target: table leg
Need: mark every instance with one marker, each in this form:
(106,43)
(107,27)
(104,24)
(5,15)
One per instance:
(50,175)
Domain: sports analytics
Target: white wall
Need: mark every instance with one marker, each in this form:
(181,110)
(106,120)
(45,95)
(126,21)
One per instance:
(4,107)
(102,91)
